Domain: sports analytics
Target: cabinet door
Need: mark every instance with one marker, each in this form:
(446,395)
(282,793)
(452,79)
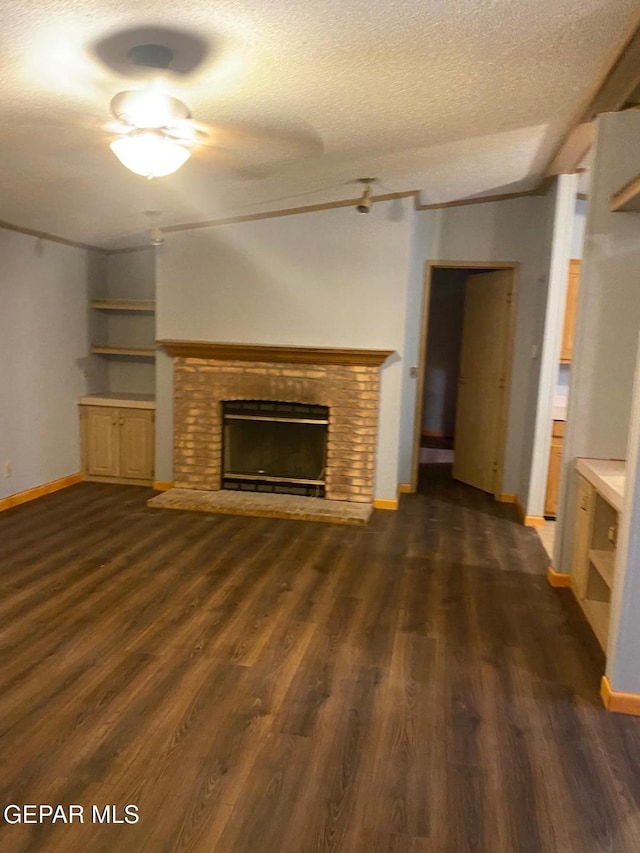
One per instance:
(136,444)
(566,353)
(553,480)
(102,453)
(582,535)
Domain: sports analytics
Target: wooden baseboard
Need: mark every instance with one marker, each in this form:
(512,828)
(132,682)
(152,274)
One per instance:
(431,434)
(392,503)
(385,503)
(558,579)
(506,498)
(619,703)
(162,485)
(528,520)
(39,491)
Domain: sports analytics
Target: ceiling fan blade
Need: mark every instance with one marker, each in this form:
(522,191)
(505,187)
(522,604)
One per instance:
(266,143)
(187,132)
(230,163)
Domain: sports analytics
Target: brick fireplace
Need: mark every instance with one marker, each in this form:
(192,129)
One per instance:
(347,381)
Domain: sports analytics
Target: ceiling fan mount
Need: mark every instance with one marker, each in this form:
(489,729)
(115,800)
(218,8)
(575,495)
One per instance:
(151,56)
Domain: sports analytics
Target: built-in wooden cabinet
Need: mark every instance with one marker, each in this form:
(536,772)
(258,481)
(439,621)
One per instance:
(600,492)
(555,466)
(568,335)
(117,440)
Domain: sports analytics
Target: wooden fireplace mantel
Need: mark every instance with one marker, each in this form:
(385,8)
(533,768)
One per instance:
(288,354)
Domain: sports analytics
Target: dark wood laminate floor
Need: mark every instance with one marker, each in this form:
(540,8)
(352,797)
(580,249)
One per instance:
(266,686)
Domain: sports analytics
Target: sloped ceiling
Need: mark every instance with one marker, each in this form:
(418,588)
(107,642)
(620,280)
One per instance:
(456,98)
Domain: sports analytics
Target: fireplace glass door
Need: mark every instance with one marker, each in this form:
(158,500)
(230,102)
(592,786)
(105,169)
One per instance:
(272,446)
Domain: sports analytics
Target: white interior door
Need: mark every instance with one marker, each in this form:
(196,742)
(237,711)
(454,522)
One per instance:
(482,379)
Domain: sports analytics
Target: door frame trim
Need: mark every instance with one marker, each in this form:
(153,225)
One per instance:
(429,267)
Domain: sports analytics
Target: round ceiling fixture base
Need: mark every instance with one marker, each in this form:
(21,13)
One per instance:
(151,56)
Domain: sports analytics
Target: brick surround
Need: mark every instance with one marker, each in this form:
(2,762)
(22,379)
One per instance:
(351,391)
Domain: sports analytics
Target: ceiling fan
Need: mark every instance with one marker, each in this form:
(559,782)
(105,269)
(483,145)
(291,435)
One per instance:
(154,130)
(156,134)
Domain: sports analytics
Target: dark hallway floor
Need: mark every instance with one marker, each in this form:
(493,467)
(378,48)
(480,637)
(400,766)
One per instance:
(268,686)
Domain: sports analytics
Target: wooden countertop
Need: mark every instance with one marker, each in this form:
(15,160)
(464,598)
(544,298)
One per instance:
(607,476)
(120,399)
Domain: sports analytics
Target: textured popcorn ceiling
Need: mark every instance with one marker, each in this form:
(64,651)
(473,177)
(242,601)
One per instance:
(453,98)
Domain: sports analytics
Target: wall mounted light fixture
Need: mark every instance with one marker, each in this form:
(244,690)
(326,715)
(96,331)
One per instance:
(364,205)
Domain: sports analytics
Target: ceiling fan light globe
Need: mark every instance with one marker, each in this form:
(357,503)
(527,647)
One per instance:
(150,154)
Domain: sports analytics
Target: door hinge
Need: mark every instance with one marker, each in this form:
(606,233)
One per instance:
(501,382)
(494,467)
(509,297)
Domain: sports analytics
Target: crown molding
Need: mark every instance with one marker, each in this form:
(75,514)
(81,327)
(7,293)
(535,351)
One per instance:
(52,238)
(287,211)
(464,202)
(126,250)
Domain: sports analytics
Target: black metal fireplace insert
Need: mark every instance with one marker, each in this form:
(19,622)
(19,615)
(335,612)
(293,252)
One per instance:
(272,446)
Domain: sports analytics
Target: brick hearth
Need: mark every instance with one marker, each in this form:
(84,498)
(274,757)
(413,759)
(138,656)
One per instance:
(350,390)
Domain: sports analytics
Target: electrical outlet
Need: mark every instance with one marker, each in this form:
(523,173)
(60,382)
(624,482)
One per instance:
(6,469)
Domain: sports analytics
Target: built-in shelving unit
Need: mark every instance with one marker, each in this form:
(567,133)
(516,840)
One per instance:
(147,306)
(125,329)
(600,498)
(627,198)
(117,414)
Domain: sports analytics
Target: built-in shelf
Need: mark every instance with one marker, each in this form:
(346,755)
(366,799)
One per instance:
(134,352)
(605,564)
(599,500)
(627,198)
(146,305)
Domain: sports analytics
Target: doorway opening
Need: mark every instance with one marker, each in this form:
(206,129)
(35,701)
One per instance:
(464,371)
